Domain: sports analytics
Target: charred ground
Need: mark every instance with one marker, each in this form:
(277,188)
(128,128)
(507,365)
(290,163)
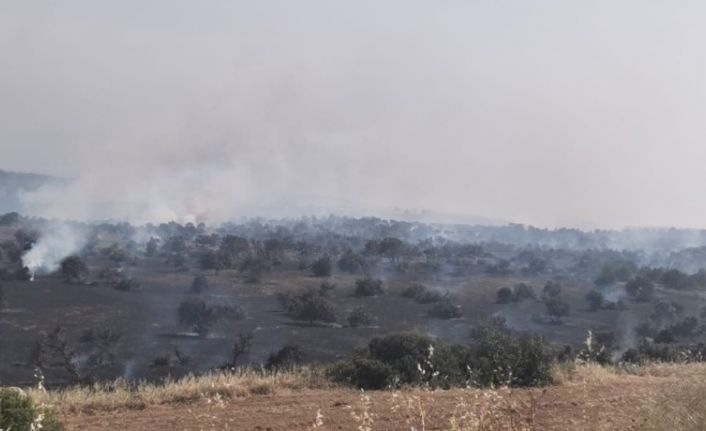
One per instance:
(111,309)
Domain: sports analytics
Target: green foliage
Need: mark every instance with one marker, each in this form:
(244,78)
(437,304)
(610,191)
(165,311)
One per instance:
(496,356)
(17,413)
(499,356)
(362,372)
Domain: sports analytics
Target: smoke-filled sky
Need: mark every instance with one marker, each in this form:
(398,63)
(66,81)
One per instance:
(589,114)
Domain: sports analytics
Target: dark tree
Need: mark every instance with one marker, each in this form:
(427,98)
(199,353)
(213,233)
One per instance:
(368,287)
(241,347)
(523,291)
(199,284)
(351,263)
(73,269)
(326,288)
(504,295)
(212,261)
(200,316)
(551,289)
(640,288)
(151,247)
(286,358)
(322,267)
(557,308)
(311,306)
(254,268)
(359,317)
(101,342)
(595,300)
(445,309)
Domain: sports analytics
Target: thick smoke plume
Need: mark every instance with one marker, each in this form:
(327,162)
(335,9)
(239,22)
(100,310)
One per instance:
(56,241)
(211,110)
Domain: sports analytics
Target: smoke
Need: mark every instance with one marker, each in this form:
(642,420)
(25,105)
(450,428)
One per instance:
(549,113)
(56,241)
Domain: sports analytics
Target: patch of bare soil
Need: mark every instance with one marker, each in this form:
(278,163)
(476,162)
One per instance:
(610,403)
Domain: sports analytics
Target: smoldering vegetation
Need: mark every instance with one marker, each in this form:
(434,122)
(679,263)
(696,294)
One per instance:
(83,302)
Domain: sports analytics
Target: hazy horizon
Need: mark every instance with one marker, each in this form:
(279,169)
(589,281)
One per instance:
(549,113)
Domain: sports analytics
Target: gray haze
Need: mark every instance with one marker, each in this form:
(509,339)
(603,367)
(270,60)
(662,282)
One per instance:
(545,112)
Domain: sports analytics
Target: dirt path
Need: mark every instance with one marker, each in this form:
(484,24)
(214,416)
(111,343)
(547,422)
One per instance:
(617,404)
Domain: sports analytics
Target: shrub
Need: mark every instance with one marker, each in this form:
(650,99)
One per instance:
(359,317)
(523,291)
(504,295)
(640,288)
(362,372)
(18,413)
(413,290)
(326,287)
(126,284)
(200,316)
(351,263)
(445,309)
(310,305)
(322,267)
(551,289)
(496,356)
(557,308)
(595,300)
(499,356)
(285,358)
(368,287)
(73,269)
(199,284)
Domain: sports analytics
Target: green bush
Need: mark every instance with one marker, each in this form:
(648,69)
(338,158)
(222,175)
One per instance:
(362,372)
(497,356)
(18,413)
(500,356)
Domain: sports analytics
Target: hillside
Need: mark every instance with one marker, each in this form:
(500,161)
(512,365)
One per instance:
(13,184)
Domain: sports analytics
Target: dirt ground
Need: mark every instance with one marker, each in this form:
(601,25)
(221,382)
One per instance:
(612,403)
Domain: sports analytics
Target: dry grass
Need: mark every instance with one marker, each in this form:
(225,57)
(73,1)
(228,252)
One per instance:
(681,405)
(120,394)
(670,396)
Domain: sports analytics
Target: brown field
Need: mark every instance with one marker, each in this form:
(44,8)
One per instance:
(586,398)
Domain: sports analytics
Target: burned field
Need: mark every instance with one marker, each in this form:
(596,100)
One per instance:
(154,301)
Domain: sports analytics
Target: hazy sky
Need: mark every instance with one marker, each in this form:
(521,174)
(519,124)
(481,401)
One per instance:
(587,114)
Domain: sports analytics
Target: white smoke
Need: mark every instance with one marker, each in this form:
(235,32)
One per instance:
(56,241)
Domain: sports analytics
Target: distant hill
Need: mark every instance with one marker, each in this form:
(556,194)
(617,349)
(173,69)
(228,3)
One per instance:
(13,184)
